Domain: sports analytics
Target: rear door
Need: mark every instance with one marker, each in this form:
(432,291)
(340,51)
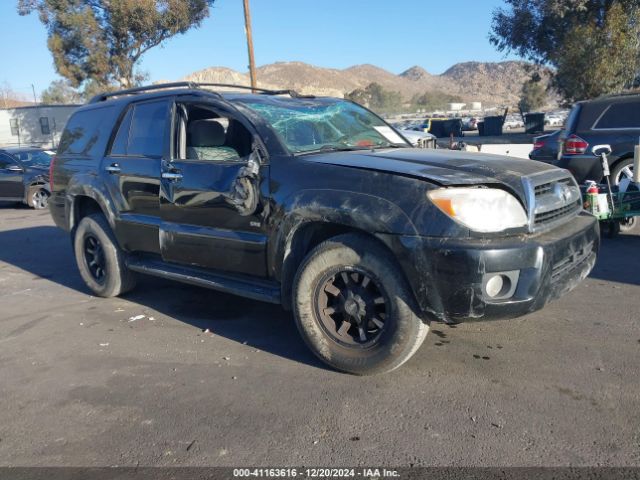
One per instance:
(204,222)
(11,181)
(132,172)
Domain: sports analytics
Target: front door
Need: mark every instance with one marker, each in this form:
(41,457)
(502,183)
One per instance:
(11,179)
(212,193)
(132,170)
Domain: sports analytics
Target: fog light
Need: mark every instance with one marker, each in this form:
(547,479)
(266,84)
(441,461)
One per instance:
(500,285)
(495,285)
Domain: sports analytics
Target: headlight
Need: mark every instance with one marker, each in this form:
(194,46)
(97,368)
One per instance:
(480,209)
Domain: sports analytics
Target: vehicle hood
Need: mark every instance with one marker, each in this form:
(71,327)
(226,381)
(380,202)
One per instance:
(443,167)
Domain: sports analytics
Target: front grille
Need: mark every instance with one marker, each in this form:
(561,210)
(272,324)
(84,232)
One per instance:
(552,215)
(546,188)
(571,262)
(553,197)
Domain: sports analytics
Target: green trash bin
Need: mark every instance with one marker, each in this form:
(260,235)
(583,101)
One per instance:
(534,122)
(493,125)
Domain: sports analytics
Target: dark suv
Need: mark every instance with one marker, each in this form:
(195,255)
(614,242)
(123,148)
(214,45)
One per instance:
(316,204)
(24,175)
(613,120)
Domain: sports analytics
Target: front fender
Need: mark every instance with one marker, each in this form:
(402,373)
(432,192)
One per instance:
(356,210)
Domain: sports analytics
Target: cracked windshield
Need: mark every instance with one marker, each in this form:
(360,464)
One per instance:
(312,126)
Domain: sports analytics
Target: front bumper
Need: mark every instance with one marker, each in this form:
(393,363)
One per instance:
(448,275)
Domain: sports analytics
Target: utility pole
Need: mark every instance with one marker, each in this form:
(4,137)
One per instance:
(247,28)
(33,89)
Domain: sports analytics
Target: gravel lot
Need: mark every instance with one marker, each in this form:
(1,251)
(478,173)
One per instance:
(81,383)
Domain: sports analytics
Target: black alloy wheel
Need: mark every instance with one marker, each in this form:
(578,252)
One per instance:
(352,307)
(94,258)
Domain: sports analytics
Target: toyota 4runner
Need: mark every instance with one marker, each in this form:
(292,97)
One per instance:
(316,204)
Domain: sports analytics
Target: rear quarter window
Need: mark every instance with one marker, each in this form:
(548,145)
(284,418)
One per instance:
(619,116)
(148,129)
(87,132)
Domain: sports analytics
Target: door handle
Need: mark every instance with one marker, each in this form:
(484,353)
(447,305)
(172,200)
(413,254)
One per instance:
(172,175)
(113,168)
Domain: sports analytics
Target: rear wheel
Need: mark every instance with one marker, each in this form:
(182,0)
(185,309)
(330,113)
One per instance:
(100,260)
(622,170)
(354,308)
(627,224)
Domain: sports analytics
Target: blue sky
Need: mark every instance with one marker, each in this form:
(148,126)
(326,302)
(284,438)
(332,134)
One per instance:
(394,35)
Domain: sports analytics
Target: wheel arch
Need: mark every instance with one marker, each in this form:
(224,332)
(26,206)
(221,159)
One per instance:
(314,216)
(84,197)
(622,158)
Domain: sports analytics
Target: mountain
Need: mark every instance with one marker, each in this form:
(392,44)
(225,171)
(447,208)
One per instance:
(415,74)
(494,84)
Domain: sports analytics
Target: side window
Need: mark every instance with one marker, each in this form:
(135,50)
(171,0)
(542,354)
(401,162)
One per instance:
(148,126)
(44,126)
(621,115)
(85,132)
(119,146)
(205,134)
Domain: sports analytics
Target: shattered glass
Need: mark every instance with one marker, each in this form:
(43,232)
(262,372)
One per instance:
(311,126)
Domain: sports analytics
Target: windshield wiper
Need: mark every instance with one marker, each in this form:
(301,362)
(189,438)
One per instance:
(390,145)
(332,148)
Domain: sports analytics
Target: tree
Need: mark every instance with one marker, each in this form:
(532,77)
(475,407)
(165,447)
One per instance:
(434,100)
(103,40)
(534,96)
(594,45)
(375,97)
(60,92)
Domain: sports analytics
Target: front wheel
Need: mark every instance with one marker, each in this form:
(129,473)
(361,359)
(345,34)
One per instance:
(38,198)
(354,309)
(100,261)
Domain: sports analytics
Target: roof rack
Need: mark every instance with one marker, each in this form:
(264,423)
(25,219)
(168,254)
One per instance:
(192,85)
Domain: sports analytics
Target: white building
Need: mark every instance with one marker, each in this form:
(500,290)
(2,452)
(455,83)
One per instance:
(37,125)
(456,107)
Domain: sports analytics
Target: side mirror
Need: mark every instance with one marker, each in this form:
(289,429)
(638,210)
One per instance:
(15,168)
(598,150)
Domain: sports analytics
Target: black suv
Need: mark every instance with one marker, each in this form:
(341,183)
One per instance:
(24,175)
(612,120)
(316,204)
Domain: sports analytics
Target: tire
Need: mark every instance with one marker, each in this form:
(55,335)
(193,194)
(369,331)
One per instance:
(104,271)
(612,228)
(347,260)
(628,224)
(623,169)
(38,197)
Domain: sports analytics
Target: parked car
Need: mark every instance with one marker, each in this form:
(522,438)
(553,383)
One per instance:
(553,120)
(469,124)
(419,139)
(318,205)
(546,148)
(612,120)
(24,176)
(512,122)
(423,126)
